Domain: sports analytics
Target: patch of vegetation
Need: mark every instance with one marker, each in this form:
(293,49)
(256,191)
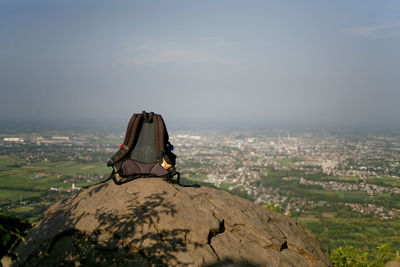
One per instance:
(385,181)
(7,195)
(225,186)
(347,228)
(11,229)
(271,206)
(73,167)
(350,256)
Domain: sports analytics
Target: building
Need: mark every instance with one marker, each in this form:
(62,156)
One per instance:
(13,139)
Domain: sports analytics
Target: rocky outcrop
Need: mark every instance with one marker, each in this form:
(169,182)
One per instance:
(153,222)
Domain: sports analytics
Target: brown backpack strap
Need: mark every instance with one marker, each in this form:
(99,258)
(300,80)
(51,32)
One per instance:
(133,130)
(129,128)
(128,141)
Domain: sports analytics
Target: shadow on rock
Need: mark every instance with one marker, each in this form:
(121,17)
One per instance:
(131,238)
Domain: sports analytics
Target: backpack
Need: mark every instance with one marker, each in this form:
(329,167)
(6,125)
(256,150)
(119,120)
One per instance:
(146,151)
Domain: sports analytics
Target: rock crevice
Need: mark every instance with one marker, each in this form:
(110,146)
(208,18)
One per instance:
(214,232)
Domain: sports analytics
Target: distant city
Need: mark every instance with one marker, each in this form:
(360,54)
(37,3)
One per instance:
(312,176)
(242,160)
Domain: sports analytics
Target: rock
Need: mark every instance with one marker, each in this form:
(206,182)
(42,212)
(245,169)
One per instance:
(153,222)
(393,263)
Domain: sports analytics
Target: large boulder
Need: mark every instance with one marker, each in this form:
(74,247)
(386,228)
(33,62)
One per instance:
(153,222)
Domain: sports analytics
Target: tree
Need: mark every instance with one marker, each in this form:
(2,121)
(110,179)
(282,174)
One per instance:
(272,207)
(349,256)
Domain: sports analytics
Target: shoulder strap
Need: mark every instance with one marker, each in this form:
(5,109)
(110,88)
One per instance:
(132,132)
(165,132)
(128,141)
(129,128)
(159,135)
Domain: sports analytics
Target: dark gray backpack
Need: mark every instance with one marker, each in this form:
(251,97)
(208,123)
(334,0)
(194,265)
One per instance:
(146,151)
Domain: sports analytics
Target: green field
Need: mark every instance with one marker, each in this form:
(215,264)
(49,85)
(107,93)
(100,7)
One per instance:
(344,178)
(7,162)
(288,162)
(19,178)
(307,219)
(198,177)
(225,186)
(338,225)
(72,167)
(25,180)
(385,181)
(364,233)
(15,195)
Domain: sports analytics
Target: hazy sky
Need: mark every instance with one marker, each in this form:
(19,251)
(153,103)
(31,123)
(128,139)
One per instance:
(273,62)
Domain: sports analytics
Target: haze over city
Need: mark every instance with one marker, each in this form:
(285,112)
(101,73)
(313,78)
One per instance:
(308,63)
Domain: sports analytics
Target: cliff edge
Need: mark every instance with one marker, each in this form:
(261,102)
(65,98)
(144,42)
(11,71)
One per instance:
(152,222)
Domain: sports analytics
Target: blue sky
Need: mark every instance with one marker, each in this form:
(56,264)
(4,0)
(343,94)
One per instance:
(270,62)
